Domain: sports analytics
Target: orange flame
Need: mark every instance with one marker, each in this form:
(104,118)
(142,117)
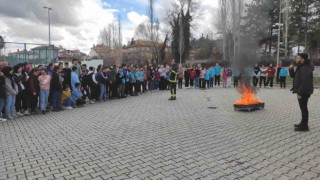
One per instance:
(247,96)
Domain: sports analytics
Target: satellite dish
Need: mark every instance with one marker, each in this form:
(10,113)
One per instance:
(1,42)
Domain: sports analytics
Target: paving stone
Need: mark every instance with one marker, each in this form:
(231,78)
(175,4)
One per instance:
(183,139)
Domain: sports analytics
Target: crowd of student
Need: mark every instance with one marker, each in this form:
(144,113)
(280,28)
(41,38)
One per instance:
(24,90)
(208,77)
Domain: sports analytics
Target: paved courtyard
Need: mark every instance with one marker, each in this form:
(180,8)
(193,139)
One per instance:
(149,137)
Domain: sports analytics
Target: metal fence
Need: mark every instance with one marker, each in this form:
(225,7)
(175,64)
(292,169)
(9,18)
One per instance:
(15,52)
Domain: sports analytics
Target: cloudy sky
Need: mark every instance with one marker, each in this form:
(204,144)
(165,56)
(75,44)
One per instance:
(75,24)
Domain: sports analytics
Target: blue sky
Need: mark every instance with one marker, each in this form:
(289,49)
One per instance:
(125,6)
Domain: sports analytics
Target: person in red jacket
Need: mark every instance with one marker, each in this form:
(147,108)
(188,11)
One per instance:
(192,73)
(271,71)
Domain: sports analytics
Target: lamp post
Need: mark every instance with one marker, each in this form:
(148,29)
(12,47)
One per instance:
(49,9)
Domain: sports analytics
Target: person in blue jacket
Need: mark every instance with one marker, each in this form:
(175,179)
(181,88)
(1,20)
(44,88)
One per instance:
(74,78)
(212,74)
(217,70)
(207,78)
(283,76)
(132,82)
(77,95)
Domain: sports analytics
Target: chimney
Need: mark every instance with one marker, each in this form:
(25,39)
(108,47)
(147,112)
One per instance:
(18,50)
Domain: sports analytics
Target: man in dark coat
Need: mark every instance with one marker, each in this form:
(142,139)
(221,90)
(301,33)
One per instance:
(2,94)
(303,87)
(67,74)
(55,88)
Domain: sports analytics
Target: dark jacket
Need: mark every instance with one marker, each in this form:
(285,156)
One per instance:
(67,76)
(150,74)
(186,74)
(100,79)
(198,72)
(303,80)
(33,85)
(55,84)
(2,87)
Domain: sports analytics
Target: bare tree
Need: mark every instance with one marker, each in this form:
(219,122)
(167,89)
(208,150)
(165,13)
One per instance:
(111,35)
(150,32)
(180,16)
(228,26)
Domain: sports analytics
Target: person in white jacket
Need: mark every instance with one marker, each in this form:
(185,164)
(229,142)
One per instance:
(11,92)
(256,75)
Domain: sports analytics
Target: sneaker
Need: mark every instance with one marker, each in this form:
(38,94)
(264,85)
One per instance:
(19,114)
(26,112)
(91,102)
(14,116)
(3,120)
(10,117)
(43,112)
(68,108)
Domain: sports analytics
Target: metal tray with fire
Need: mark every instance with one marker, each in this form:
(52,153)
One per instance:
(248,107)
(248,102)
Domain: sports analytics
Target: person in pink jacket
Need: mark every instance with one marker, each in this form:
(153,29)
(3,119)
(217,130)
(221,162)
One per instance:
(44,82)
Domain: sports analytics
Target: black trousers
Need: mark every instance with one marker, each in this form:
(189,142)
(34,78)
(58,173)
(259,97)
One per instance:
(217,80)
(33,101)
(137,87)
(180,83)
(191,82)
(94,92)
(283,82)
(126,89)
(235,81)
(262,80)
(162,83)
(21,101)
(208,83)
(270,81)
(255,81)
(173,89)
(80,102)
(303,103)
(130,88)
(186,82)
(86,93)
(144,85)
(114,89)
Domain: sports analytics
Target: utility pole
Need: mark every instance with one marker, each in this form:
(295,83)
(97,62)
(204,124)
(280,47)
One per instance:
(49,9)
(120,40)
(306,28)
(279,33)
(181,36)
(286,28)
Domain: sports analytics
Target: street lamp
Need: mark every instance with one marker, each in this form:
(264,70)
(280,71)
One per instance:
(49,9)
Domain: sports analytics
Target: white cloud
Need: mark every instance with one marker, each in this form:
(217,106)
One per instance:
(79,29)
(136,18)
(76,23)
(105,4)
